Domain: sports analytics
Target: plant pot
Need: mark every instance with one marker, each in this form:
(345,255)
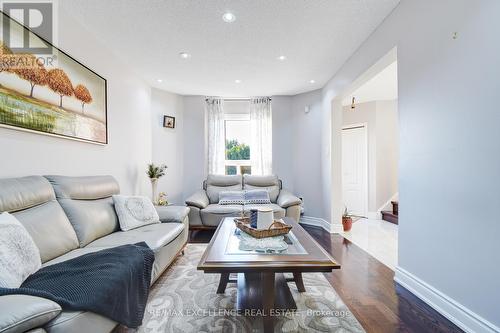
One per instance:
(347,223)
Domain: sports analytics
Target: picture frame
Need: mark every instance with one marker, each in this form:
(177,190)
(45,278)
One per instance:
(56,95)
(168,121)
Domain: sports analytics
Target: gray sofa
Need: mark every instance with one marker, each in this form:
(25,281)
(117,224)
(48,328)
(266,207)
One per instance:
(205,211)
(68,217)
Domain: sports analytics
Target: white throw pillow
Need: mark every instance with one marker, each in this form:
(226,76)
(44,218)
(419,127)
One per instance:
(231,197)
(253,197)
(134,211)
(19,255)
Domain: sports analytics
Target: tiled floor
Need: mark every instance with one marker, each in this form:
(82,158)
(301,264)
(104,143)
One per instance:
(377,237)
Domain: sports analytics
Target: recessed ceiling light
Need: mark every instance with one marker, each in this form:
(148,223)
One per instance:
(282,57)
(228,17)
(312,81)
(159,80)
(237,81)
(184,55)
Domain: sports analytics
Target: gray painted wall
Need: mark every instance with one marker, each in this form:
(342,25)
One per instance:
(449,143)
(129,124)
(283,134)
(306,143)
(194,164)
(168,143)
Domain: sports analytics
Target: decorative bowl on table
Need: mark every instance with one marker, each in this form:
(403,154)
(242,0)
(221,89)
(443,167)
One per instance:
(277,228)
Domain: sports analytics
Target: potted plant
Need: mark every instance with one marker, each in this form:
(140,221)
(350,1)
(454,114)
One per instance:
(347,219)
(155,172)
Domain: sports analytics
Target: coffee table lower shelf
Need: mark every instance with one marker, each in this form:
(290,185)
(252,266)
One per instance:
(253,288)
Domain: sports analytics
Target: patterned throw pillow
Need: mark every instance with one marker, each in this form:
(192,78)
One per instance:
(253,197)
(134,211)
(231,198)
(19,255)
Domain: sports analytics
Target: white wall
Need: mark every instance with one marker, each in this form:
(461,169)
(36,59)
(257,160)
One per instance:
(387,152)
(449,143)
(129,124)
(168,143)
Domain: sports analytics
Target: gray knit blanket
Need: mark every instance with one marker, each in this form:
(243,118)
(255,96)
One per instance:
(112,282)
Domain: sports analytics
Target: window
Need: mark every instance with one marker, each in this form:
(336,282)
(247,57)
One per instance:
(237,129)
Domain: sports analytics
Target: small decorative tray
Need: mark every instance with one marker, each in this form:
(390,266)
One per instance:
(278,228)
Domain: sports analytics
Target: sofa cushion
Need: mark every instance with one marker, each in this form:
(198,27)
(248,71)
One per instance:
(270,183)
(214,213)
(73,254)
(22,193)
(222,209)
(88,204)
(278,211)
(19,256)
(155,235)
(91,219)
(80,322)
(217,183)
(25,312)
(166,254)
(32,201)
(50,228)
(84,188)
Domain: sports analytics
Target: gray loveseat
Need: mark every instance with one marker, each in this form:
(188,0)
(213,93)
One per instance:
(206,212)
(68,217)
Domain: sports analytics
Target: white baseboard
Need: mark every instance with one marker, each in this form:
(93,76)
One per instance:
(448,307)
(319,222)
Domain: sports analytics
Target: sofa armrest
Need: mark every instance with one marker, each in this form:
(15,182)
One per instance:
(21,313)
(199,199)
(287,199)
(172,213)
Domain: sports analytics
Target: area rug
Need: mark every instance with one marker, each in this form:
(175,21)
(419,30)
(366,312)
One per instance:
(185,300)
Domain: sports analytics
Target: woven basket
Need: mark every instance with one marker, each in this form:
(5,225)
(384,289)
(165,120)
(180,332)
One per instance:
(278,228)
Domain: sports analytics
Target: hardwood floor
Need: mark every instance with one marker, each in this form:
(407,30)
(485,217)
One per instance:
(368,289)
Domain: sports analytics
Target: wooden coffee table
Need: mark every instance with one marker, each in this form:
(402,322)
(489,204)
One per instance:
(261,283)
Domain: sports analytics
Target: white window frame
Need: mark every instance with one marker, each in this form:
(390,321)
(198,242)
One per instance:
(237,163)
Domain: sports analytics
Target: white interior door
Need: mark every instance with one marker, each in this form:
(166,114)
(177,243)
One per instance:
(355,169)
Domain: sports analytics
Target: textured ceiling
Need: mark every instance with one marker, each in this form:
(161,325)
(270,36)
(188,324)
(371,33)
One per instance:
(316,36)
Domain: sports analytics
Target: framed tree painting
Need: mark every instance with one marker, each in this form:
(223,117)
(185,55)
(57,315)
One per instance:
(51,94)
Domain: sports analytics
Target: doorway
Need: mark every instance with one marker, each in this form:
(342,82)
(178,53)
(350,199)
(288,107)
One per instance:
(368,146)
(355,168)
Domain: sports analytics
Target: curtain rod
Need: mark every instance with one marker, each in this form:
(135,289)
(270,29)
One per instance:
(236,99)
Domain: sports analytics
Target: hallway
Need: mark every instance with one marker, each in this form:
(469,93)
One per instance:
(377,237)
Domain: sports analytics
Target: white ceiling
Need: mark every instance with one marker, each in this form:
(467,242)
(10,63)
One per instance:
(383,86)
(316,36)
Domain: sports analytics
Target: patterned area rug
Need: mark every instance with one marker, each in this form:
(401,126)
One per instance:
(185,300)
